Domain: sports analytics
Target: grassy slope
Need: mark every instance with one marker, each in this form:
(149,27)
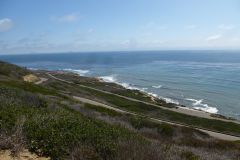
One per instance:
(141,108)
(12,71)
(113,88)
(53,129)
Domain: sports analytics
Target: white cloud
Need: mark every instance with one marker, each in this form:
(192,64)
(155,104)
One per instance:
(226,27)
(72,17)
(5,24)
(214,37)
(189,27)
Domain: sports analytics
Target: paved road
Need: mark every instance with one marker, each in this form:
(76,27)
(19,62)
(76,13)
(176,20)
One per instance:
(85,100)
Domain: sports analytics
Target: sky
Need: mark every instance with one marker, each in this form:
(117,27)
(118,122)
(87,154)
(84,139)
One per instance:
(47,26)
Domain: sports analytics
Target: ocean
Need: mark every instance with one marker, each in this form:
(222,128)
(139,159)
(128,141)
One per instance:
(204,80)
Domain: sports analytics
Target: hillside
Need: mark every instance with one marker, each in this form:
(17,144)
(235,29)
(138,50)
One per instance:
(48,120)
(12,71)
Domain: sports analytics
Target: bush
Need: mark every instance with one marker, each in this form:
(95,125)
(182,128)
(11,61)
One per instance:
(188,155)
(16,97)
(165,130)
(82,152)
(15,141)
(103,110)
(132,149)
(53,132)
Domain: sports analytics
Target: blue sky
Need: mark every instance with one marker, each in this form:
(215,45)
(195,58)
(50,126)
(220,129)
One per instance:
(44,26)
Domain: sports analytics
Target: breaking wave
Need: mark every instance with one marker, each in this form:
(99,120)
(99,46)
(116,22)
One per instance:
(77,71)
(157,87)
(199,105)
(113,79)
(109,79)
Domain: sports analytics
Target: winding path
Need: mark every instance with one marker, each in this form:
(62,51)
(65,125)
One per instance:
(214,134)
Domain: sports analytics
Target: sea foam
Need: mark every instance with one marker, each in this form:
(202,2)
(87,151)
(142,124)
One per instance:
(113,79)
(199,105)
(77,71)
(110,78)
(157,87)
(169,100)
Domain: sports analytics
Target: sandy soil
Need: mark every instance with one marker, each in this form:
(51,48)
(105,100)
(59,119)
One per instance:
(25,155)
(30,78)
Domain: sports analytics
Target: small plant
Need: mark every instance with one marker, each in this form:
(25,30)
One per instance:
(103,110)
(83,152)
(165,129)
(188,155)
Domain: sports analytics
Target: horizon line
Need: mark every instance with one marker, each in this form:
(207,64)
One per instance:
(114,51)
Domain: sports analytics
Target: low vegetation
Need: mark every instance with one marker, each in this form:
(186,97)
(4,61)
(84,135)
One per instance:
(45,120)
(12,71)
(149,110)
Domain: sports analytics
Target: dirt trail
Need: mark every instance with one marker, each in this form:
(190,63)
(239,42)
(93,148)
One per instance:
(211,133)
(41,80)
(215,134)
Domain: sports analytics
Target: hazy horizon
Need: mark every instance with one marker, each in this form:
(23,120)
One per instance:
(237,51)
(89,26)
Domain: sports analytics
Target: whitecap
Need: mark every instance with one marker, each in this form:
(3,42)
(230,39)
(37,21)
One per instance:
(33,69)
(128,86)
(152,94)
(77,71)
(169,100)
(157,87)
(144,89)
(207,109)
(199,105)
(113,79)
(109,79)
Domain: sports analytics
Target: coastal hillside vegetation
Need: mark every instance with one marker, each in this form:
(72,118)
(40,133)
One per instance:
(46,120)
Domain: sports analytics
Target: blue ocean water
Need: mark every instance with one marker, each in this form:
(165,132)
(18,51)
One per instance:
(205,80)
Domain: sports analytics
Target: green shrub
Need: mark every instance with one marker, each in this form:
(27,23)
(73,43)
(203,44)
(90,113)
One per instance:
(188,155)
(165,129)
(16,97)
(13,71)
(103,110)
(54,132)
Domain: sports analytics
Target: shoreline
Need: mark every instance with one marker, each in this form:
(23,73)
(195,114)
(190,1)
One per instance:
(176,107)
(192,111)
(126,85)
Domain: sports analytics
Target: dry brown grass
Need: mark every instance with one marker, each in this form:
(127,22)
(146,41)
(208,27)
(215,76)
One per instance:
(14,142)
(83,152)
